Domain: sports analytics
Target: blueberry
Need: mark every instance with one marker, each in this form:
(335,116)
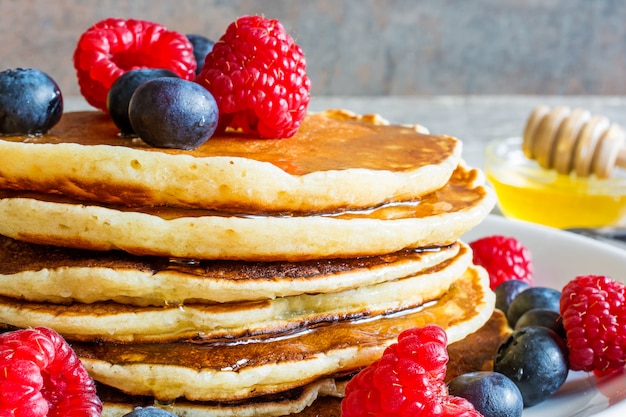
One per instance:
(149,412)
(30,102)
(201,47)
(535,359)
(171,112)
(507,291)
(123,88)
(491,393)
(542,317)
(535,297)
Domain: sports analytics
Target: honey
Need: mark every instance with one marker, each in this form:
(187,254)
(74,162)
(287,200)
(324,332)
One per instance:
(528,192)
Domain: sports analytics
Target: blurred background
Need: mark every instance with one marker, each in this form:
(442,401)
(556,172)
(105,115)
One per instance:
(371,47)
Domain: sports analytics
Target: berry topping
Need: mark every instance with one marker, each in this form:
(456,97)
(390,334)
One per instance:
(149,412)
(30,102)
(491,393)
(201,47)
(257,74)
(113,46)
(505,258)
(535,359)
(594,316)
(41,376)
(533,298)
(123,88)
(170,112)
(408,380)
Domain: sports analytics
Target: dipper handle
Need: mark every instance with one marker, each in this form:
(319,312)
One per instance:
(569,140)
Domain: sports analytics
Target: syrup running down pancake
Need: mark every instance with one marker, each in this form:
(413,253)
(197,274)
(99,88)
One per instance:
(244,369)
(336,161)
(437,219)
(321,398)
(52,274)
(107,321)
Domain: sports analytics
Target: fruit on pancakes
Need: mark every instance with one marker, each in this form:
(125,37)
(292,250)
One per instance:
(122,89)
(201,48)
(171,112)
(30,102)
(257,73)
(41,376)
(113,46)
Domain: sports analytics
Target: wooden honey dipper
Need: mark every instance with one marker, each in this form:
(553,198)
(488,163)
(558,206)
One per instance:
(569,140)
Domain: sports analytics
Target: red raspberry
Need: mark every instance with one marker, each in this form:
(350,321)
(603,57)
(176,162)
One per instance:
(257,74)
(594,316)
(505,258)
(408,380)
(459,407)
(41,376)
(113,46)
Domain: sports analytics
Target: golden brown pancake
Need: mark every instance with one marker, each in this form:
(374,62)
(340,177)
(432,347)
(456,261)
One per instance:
(321,398)
(337,160)
(44,273)
(437,219)
(128,323)
(252,367)
(321,395)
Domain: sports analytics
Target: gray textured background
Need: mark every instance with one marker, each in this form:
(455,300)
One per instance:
(371,47)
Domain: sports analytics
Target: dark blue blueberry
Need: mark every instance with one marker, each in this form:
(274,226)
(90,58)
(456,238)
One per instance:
(535,297)
(31,102)
(491,393)
(542,317)
(149,412)
(507,291)
(201,47)
(122,90)
(535,359)
(173,113)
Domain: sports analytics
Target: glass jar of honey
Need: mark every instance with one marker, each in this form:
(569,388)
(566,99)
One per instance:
(529,192)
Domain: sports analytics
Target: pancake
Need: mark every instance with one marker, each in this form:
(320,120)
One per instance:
(337,160)
(105,321)
(321,398)
(437,219)
(247,368)
(324,394)
(44,273)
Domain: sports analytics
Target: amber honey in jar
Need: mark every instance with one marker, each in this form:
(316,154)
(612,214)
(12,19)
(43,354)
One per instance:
(529,192)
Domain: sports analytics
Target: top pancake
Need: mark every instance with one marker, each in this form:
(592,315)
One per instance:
(337,160)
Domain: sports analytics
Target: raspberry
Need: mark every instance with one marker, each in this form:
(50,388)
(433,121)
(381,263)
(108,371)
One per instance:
(505,258)
(408,380)
(459,407)
(41,376)
(257,74)
(594,316)
(113,46)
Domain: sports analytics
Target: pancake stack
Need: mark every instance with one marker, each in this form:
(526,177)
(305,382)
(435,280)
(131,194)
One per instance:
(246,277)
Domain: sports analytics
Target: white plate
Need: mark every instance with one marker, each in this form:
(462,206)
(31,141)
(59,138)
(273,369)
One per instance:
(558,257)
